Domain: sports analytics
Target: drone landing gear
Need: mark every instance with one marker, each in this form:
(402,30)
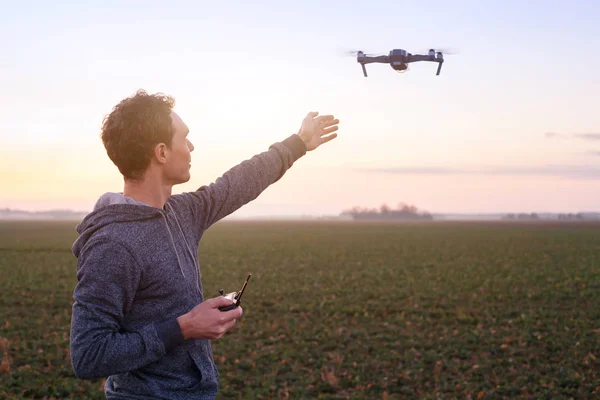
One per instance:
(439,67)
(364,70)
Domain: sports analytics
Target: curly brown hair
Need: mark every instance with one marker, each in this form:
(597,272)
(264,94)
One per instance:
(134,127)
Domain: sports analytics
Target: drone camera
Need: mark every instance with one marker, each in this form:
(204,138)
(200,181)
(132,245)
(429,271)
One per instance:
(398,59)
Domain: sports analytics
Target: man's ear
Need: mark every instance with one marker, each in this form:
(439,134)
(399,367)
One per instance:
(160,153)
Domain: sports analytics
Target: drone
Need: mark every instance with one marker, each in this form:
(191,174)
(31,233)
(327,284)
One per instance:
(399,59)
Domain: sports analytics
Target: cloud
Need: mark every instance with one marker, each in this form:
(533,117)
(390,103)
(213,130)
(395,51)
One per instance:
(584,136)
(563,171)
(587,136)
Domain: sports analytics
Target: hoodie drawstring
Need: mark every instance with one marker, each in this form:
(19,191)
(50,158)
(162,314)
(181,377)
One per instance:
(173,243)
(190,251)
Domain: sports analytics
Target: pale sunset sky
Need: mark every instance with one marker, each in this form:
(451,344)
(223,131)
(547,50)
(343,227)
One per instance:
(512,124)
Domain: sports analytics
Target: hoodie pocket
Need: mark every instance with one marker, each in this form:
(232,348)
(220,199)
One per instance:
(195,375)
(201,353)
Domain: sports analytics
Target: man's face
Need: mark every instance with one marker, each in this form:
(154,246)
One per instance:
(177,168)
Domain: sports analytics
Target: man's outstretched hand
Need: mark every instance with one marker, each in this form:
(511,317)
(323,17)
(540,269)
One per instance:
(316,130)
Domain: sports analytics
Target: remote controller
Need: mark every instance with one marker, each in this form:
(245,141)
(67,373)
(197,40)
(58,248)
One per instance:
(236,297)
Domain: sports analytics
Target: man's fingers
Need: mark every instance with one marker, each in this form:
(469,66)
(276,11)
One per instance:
(329,123)
(329,130)
(326,139)
(326,123)
(226,327)
(219,301)
(324,119)
(231,324)
(232,314)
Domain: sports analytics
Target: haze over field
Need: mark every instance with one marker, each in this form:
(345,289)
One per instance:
(510,125)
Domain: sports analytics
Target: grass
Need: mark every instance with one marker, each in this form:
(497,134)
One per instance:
(343,310)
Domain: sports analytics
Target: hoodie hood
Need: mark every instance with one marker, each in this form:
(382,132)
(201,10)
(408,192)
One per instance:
(110,208)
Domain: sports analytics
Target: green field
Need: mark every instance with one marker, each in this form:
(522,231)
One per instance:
(347,310)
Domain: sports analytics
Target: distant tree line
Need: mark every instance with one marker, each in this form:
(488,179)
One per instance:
(402,212)
(521,216)
(571,216)
(562,217)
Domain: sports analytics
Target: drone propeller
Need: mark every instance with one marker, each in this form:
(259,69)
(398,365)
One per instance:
(353,53)
(440,50)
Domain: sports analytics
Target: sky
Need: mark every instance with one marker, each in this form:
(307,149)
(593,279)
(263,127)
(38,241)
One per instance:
(510,125)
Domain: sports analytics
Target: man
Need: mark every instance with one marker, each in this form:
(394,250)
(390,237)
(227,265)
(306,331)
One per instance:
(139,316)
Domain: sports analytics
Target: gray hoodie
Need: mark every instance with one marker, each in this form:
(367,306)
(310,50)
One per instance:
(138,270)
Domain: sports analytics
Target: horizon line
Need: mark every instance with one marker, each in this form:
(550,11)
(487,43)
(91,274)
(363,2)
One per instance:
(72,211)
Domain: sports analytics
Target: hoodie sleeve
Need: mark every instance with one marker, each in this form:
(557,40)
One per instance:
(107,279)
(242,183)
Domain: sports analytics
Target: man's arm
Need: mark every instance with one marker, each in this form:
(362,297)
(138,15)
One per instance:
(244,182)
(108,277)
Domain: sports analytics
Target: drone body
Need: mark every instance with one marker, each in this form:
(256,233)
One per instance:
(399,59)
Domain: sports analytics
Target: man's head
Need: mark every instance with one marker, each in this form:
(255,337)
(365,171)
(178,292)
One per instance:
(144,132)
